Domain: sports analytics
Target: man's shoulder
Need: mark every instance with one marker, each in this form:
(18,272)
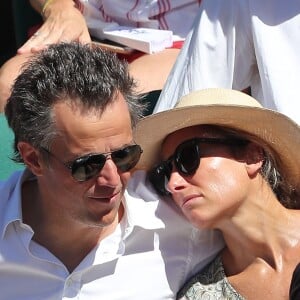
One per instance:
(9,184)
(9,194)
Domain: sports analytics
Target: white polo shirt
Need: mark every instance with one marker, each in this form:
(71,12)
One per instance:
(150,255)
(240,43)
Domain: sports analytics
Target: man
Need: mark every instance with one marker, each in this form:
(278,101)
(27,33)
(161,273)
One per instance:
(69,229)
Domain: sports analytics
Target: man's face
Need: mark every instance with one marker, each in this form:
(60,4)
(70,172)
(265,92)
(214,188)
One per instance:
(95,202)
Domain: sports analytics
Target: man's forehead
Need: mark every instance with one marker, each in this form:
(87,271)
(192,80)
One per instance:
(69,109)
(86,128)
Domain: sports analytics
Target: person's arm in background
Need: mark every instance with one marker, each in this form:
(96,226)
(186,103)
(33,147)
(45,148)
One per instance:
(63,21)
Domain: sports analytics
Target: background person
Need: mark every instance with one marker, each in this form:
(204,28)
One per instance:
(236,174)
(68,20)
(69,228)
(241,44)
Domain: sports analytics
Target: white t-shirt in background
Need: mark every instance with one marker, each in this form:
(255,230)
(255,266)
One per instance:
(241,43)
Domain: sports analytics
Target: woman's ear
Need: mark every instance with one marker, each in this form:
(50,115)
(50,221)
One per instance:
(31,157)
(254,158)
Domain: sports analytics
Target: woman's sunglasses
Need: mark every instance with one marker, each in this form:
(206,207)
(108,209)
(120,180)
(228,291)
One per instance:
(186,160)
(88,166)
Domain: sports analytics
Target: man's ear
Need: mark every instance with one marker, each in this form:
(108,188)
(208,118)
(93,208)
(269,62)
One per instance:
(254,159)
(31,157)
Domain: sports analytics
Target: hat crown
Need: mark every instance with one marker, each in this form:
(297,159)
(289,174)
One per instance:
(217,97)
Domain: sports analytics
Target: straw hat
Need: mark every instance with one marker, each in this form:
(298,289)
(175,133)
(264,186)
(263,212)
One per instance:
(228,108)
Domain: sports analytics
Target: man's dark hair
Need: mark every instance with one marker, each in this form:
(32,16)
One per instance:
(81,74)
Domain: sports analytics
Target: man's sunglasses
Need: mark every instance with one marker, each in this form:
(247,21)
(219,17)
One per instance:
(186,160)
(88,166)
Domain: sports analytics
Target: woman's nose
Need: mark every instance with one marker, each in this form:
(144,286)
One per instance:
(176,182)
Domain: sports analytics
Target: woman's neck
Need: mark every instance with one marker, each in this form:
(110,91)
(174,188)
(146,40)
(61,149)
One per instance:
(262,232)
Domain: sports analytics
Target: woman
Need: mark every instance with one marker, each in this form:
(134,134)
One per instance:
(231,165)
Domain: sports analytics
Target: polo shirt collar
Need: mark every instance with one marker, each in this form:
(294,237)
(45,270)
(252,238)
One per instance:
(141,214)
(13,209)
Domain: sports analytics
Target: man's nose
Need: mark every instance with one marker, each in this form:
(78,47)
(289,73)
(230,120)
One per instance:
(109,174)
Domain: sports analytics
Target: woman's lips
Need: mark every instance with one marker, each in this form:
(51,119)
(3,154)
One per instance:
(190,198)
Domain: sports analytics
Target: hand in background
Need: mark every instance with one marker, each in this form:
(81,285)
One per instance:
(62,22)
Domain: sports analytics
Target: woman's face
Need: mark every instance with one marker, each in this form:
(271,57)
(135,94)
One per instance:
(219,185)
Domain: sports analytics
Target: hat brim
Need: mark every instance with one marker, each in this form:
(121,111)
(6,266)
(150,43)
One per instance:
(274,130)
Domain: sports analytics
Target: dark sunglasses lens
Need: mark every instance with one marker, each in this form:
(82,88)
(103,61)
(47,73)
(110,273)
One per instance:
(160,176)
(87,167)
(187,158)
(127,158)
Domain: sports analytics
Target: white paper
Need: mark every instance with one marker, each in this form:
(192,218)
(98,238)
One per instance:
(143,39)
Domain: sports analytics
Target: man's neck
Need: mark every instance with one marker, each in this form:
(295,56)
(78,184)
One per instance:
(68,240)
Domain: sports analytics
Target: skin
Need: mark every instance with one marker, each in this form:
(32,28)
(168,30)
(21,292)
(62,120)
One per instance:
(229,194)
(201,196)
(68,217)
(152,70)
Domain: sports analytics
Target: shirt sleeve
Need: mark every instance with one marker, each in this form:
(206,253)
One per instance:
(217,53)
